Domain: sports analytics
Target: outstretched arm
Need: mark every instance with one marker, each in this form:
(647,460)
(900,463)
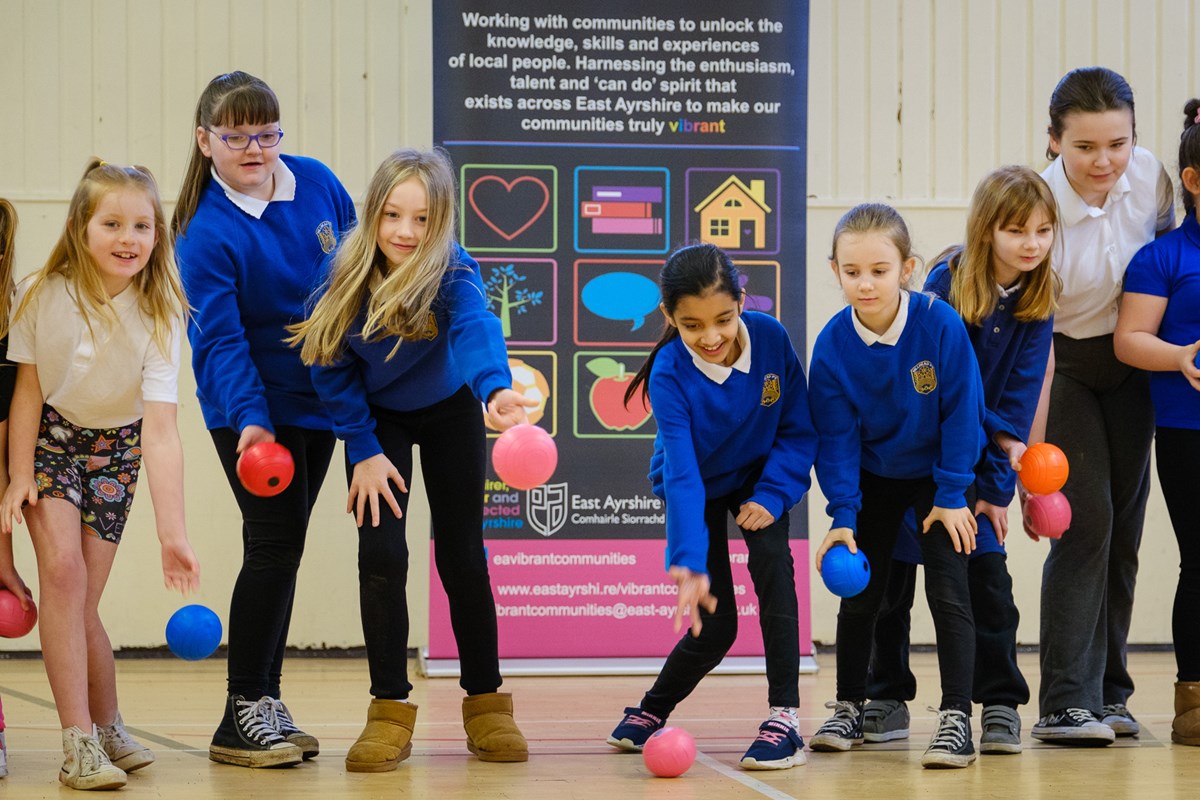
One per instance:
(163,455)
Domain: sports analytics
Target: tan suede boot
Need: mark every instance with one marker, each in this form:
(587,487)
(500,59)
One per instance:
(1186,727)
(492,734)
(387,739)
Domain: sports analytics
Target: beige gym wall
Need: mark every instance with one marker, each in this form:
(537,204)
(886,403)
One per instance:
(910,102)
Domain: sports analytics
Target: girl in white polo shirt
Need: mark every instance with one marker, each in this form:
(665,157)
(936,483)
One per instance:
(1113,197)
(96,337)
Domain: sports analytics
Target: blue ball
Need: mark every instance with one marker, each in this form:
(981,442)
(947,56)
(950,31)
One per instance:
(845,573)
(193,632)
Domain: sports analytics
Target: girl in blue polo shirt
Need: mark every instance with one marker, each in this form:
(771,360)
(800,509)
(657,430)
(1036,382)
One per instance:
(403,351)
(1159,330)
(735,439)
(900,414)
(1003,287)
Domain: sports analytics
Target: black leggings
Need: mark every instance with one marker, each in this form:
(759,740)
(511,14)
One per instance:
(451,436)
(1178,456)
(273,532)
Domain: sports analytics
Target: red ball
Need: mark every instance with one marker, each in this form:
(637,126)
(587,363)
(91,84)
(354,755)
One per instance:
(669,752)
(265,469)
(1044,468)
(524,456)
(1048,515)
(15,622)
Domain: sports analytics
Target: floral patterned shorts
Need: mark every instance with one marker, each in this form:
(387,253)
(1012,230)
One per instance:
(95,470)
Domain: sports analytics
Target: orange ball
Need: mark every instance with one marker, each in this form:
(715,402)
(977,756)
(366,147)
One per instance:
(1044,468)
(265,469)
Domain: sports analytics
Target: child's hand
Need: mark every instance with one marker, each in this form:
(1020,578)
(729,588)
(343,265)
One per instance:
(1012,447)
(253,434)
(22,491)
(1187,365)
(997,514)
(506,408)
(9,579)
(753,517)
(370,482)
(181,569)
(836,536)
(960,524)
(694,594)
(1022,496)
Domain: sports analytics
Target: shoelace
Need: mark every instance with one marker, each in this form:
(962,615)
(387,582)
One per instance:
(281,721)
(642,720)
(845,717)
(256,718)
(1115,710)
(90,755)
(1080,715)
(113,736)
(771,734)
(952,730)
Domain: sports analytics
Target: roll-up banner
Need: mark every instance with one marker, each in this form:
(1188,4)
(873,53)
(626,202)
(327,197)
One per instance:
(589,140)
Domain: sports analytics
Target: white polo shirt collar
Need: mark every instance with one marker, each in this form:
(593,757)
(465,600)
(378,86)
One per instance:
(892,334)
(285,190)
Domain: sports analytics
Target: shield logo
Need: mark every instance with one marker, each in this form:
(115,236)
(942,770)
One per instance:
(770,393)
(924,377)
(547,508)
(326,236)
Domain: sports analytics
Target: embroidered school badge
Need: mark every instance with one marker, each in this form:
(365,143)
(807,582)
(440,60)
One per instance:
(924,377)
(326,237)
(770,389)
(431,328)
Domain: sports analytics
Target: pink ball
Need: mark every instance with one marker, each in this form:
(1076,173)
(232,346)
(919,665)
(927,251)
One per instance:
(15,623)
(525,456)
(1048,515)
(669,752)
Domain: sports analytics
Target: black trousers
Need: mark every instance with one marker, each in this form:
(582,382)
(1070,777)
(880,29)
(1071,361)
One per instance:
(884,502)
(773,575)
(451,436)
(273,533)
(1178,460)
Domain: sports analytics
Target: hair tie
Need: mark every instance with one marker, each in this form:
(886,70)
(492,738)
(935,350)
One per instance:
(102,163)
(1196,121)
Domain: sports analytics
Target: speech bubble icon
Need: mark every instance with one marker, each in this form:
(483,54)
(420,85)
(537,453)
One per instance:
(621,295)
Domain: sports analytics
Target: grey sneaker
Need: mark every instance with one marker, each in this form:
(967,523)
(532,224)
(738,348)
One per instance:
(123,750)
(885,720)
(951,746)
(1001,728)
(841,731)
(1117,717)
(1076,727)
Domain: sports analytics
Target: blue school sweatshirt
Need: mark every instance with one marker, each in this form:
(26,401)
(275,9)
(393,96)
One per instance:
(909,410)
(463,344)
(714,437)
(246,280)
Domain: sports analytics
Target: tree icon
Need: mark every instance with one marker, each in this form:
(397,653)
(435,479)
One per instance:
(505,298)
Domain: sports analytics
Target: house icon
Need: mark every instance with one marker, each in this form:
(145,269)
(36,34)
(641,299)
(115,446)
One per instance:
(732,210)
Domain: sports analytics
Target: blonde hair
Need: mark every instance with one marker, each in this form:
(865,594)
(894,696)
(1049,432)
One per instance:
(8,238)
(1006,196)
(160,294)
(232,99)
(400,305)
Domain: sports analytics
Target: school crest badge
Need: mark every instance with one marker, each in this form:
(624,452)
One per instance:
(924,377)
(770,392)
(326,236)
(431,327)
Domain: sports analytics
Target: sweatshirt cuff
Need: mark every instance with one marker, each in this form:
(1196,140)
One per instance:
(363,446)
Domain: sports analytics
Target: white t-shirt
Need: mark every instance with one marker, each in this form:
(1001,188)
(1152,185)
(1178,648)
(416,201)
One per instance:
(98,384)
(1097,243)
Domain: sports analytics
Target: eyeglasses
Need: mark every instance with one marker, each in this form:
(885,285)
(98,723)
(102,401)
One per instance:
(240,141)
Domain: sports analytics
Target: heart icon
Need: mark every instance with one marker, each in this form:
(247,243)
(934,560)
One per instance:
(508,187)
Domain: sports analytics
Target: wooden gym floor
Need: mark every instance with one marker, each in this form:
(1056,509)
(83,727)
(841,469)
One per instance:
(173,707)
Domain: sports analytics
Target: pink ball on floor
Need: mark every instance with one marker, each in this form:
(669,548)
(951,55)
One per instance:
(669,752)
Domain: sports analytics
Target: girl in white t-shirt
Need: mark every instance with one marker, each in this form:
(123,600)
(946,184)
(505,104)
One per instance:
(95,335)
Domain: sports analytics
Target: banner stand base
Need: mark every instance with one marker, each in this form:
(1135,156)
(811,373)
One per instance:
(527,667)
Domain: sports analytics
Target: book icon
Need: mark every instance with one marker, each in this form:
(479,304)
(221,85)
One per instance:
(623,210)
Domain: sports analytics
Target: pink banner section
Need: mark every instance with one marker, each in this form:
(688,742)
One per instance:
(581,598)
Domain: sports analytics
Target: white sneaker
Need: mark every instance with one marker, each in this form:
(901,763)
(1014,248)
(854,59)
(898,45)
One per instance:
(85,766)
(125,752)
(3,756)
